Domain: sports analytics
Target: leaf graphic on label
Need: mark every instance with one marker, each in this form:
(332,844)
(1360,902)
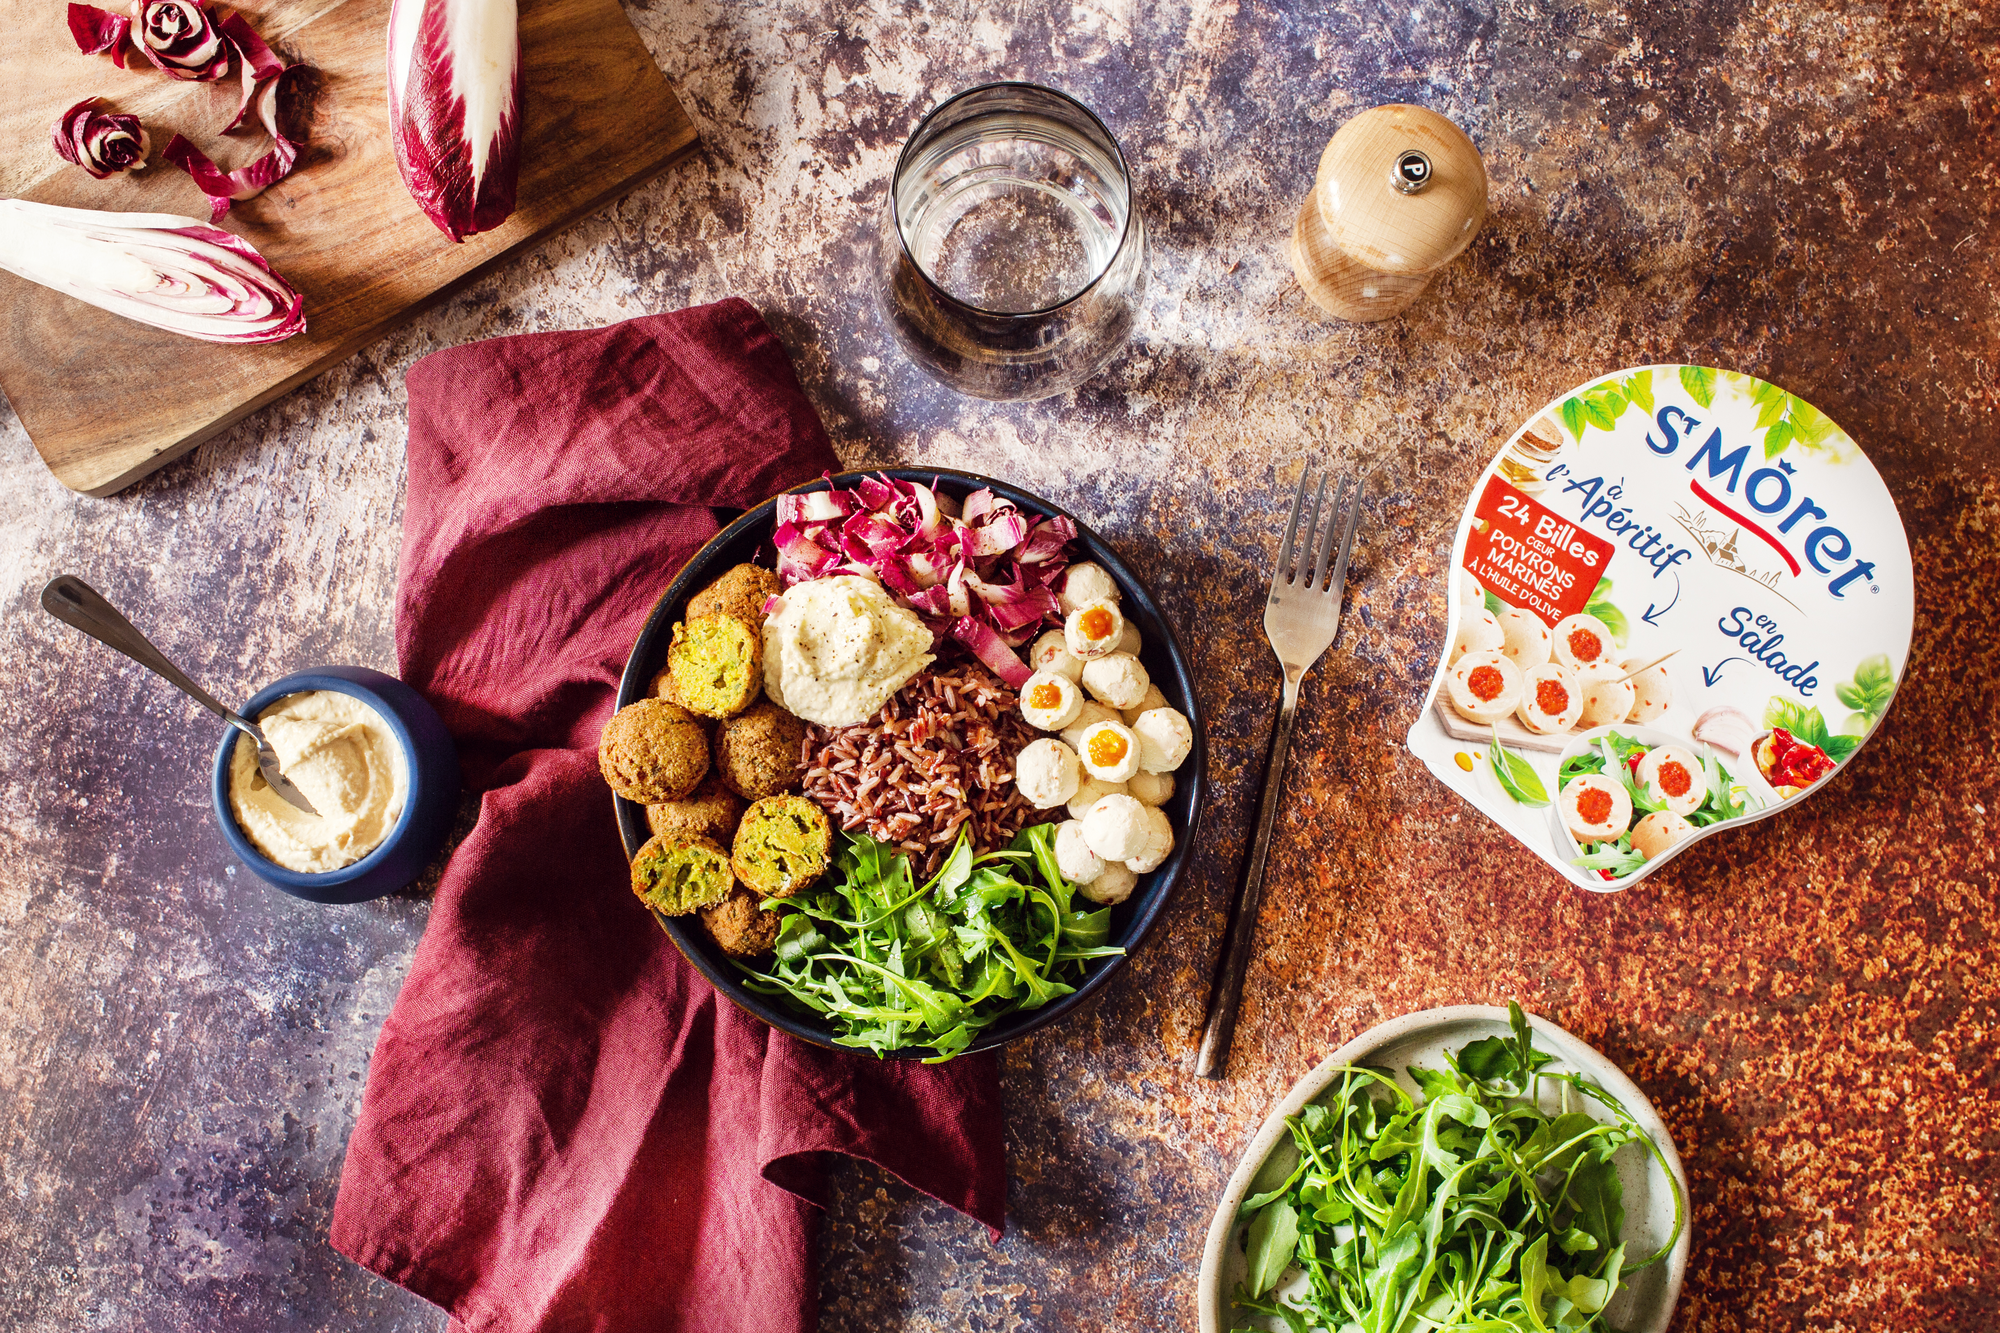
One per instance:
(1572,415)
(1771,404)
(1515,776)
(1699,381)
(1639,389)
(1776,438)
(1601,415)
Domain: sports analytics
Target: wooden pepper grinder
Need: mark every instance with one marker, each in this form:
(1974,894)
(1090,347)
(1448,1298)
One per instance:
(1400,193)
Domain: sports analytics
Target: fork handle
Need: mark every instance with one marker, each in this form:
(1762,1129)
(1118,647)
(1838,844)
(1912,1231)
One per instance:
(1227,994)
(80,606)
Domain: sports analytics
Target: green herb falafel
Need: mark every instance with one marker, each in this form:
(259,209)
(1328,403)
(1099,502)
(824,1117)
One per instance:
(709,811)
(674,874)
(741,592)
(781,846)
(653,751)
(757,751)
(740,926)
(717,664)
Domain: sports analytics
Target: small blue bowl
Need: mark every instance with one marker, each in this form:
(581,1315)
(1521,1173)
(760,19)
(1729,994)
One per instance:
(428,809)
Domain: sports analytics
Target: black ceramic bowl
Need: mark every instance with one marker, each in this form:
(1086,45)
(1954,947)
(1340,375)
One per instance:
(747,540)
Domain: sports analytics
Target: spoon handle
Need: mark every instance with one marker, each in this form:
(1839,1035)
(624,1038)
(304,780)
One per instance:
(80,606)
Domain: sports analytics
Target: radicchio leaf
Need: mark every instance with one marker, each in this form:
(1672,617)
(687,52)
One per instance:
(101,142)
(455,109)
(99,31)
(171,272)
(992,650)
(224,188)
(180,38)
(256,62)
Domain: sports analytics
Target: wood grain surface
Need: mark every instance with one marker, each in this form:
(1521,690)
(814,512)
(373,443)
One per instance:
(107,400)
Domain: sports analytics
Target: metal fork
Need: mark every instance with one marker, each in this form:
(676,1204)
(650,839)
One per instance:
(1301,619)
(80,606)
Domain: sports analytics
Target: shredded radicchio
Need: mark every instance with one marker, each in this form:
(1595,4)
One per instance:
(985,575)
(181,38)
(101,142)
(99,31)
(184,40)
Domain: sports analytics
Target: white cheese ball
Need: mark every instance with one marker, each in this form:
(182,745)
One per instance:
(1658,832)
(1092,790)
(1093,712)
(1483,687)
(1582,641)
(1116,828)
(1046,773)
(1130,642)
(1154,699)
(1478,632)
(1051,653)
(1110,751)
(1050,701)
(1116,679)
(1527,638)
(1149,788)
(1606,697)
(1079,865)
(1083,583)
(1114,886)
(1160,844)
(1165,737)
(1094,629)
(1652,690)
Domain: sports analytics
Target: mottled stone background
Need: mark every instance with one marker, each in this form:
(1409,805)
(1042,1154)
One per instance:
(1806,191)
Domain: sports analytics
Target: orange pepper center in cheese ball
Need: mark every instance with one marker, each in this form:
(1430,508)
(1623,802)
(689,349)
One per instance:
(1486,682)
(1551,697)
(1095,623)
(1107,749)
(1594,805)
(1045,695)
(1585,646)
(1674,779)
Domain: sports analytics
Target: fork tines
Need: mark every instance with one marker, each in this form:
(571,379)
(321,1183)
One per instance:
(1310,574)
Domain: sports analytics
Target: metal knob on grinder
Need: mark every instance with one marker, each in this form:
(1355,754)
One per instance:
(1400,193)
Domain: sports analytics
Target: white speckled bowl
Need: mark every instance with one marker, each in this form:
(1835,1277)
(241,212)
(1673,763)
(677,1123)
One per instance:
(1645,1304)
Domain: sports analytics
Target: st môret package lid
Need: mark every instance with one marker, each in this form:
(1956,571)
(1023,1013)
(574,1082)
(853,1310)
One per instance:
(1680,598)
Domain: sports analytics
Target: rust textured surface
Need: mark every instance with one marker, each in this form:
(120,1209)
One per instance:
(1805,191)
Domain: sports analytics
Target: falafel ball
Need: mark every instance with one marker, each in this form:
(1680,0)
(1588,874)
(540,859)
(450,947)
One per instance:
(717,663)
(741,592)
(663,688)
(652,751)
(740,926)
(757,751)
(782,846)
(709,811)
(675,875)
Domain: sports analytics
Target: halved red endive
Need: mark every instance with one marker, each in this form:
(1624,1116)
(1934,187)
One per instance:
(455,109)
(161,269)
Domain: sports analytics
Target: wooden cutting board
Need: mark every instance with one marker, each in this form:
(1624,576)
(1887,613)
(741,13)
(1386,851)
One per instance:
(106,400)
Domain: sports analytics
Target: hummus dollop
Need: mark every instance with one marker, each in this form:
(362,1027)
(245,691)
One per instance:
(342,755)
(836,648)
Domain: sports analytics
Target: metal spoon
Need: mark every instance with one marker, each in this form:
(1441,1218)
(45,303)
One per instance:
(80,606)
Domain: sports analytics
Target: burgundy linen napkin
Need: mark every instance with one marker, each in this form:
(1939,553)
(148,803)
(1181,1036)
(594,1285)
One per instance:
(564,1126)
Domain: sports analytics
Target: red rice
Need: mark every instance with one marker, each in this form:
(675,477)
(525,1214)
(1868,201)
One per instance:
(940,753)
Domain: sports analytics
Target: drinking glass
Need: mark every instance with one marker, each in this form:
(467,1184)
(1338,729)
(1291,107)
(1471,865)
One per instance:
(1013,258)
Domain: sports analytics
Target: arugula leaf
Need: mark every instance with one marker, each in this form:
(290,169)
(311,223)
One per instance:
(1274,1235)
(892,965)
(1418,1215)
